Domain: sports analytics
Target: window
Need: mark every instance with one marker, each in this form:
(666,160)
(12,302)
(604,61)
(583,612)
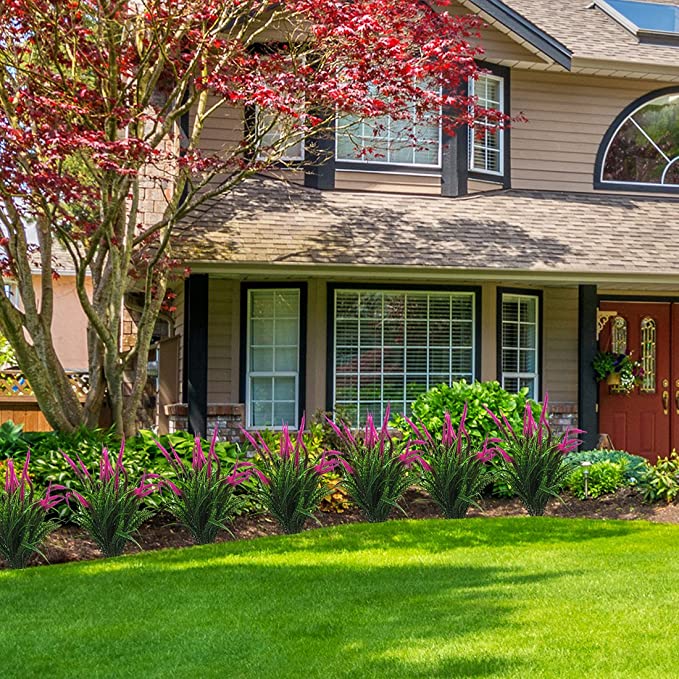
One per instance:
(643,148)
(520,353)
(388,141)
(390,346)
(649,21)
(276,138)
(486,139)
(273,357)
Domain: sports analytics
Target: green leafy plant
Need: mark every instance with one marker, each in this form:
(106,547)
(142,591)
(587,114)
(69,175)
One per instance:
(634,466)
(23,517)
(609,364)
(534,463)
(477,397)
(202,497)
(603,477)
(12,440)
(110,506)
(454,473)
(374,466)
(660,483)
(290,485)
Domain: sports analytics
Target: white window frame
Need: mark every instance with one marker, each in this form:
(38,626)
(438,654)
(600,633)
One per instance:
(250,374)
(500,132)
(535,376)
(604,157)
(283,158)
(366,161)
(471,294)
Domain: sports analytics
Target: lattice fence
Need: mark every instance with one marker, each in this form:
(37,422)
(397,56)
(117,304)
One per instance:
(14,384)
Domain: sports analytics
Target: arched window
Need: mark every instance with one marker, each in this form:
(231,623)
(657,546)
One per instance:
(641,149)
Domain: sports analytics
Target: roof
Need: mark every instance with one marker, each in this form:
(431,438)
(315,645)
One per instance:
(586,31)
(266,221)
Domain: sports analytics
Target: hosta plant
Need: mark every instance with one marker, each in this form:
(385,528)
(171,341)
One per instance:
(454,471)
(109,505)
(202,497)
(23,516)
(375,467)
(290,485)
(534,463)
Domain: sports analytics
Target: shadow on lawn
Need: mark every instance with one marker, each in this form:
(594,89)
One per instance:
(280,619)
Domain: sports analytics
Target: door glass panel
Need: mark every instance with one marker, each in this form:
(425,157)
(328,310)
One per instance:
(619,338)
(648,354)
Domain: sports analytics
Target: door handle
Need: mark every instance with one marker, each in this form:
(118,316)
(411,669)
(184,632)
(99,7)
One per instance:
(666,402)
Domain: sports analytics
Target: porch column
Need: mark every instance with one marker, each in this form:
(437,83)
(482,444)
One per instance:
(588,418)
(195,351)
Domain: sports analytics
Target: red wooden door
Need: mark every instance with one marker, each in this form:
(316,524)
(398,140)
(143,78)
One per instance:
(646,421)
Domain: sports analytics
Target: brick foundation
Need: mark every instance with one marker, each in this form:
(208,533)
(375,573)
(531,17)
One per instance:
(227,417)
(562,416)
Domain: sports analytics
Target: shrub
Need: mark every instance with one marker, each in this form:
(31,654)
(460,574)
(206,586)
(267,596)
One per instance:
(661,482)
(603,477)
(23,518)
(289,486)
(110,507)
(478,397)
(534,463)
(375,468)
(634,466)
(202,497)
(454,473)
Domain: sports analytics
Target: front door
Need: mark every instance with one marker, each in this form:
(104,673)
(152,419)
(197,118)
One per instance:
(645,421)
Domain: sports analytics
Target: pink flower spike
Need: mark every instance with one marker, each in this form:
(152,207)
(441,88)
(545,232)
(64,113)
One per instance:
(121,452)
(413,426)
(172,487)
(529,425)
(11,480)
(105,468)
(262,477)
(370,431)
(495,418)
(334,427)
(71,464)
(198,461)
(213,443)
(79,498)
(85,472)
(250,439)
(448,433)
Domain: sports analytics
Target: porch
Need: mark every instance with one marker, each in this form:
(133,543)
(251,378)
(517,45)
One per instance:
(479,260)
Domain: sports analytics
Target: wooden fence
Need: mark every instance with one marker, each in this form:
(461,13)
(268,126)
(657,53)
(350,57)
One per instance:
(18,403)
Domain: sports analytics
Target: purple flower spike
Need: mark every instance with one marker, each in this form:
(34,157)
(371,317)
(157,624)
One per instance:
(370,432)
(11,480)
(529,424)
(198,461)
(105,468)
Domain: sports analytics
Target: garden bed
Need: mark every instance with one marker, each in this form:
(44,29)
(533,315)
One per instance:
(70,543)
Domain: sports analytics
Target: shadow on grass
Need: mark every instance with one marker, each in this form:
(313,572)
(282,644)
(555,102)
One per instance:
(253,619)
(354,601)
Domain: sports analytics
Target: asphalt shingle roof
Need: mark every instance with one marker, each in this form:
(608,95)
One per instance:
(589,32)
(266,221)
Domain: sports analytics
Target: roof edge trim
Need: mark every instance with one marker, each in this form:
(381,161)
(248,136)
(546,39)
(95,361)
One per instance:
(515,22)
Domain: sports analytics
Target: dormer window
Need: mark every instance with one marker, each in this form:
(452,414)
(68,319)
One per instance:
(641,149)
(650,22)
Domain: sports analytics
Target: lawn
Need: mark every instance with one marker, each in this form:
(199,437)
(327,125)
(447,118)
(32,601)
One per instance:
(514,597)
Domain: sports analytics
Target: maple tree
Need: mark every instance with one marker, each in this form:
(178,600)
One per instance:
(105,103)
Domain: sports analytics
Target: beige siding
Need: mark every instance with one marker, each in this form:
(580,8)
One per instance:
(560,350)
(223,341)
(388,181)
(568,116)
(560,344)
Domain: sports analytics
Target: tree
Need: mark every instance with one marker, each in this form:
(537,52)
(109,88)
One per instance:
(103,103)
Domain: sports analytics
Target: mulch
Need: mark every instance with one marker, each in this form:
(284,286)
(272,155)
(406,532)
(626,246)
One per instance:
(70,543)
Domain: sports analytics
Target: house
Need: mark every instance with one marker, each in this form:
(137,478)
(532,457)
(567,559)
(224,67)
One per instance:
(509,255)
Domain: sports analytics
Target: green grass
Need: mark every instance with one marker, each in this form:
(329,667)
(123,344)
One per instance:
(472,598)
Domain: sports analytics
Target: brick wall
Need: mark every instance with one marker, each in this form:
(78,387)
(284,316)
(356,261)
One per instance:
(227,417)
(562,416)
